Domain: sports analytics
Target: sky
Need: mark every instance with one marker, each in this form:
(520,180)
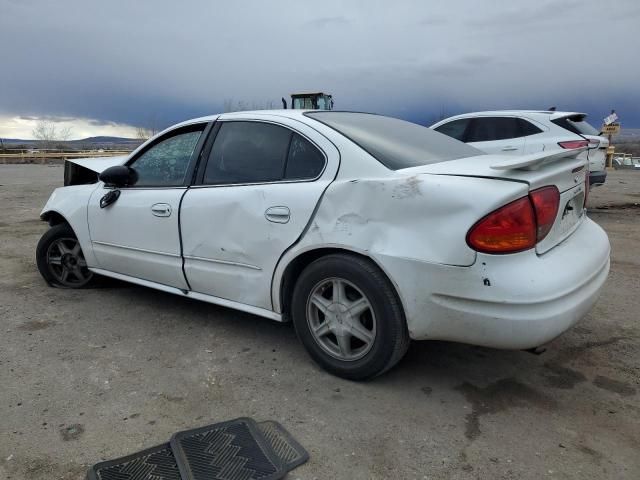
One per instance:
(106,67)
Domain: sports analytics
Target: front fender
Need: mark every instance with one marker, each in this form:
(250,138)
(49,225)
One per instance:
(71,204)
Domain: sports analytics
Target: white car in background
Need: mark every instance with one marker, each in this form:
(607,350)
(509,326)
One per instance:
(366,231)
(520,132)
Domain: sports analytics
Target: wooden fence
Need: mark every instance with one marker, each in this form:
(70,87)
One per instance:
(50,156)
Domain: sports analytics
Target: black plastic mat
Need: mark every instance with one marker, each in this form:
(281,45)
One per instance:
(157,463)
(233,450)
(291,453)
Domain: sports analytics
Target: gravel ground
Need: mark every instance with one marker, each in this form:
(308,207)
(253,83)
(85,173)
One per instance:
(95,374)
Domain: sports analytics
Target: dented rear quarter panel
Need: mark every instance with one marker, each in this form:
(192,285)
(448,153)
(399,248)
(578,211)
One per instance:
(419,217)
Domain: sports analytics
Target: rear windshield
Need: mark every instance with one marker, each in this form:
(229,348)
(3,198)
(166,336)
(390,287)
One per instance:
(576,124)
(395,143)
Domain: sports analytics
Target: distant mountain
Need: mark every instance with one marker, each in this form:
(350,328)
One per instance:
(628,135)
(8,141)
(104,139)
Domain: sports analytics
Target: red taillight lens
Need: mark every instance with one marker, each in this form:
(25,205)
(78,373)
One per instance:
(509,229)
(545,203)
(518,225)
(574,144)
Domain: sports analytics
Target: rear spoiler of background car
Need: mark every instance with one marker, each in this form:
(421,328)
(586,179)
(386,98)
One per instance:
(534,161)
(571,115)
(80,171)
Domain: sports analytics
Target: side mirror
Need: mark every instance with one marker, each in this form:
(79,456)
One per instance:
(118,176)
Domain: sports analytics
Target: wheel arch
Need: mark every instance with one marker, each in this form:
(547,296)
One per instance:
(53,218)
(296,265)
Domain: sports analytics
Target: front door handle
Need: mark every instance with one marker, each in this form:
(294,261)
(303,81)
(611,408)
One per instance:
(161,209)
(278,214)
(509,149)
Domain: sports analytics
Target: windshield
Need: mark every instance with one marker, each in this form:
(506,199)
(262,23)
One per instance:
(395,143)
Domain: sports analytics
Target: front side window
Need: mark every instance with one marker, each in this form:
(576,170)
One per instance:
(166,162)
(487,129)
(454,129)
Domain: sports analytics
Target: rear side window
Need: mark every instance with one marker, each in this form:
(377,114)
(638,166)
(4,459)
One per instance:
(527,128)
(487,129)
(576,124)
(257,152)
(247,152)
(454,129)
(395,143)
(304,160)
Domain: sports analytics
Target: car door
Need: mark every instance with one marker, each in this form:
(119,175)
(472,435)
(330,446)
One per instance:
(497,135)
(256,195)
(138,235)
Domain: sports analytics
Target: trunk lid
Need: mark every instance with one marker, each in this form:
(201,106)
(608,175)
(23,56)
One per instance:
(561,168)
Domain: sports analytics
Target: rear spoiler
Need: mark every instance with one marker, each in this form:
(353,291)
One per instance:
(534,161)
(557,115)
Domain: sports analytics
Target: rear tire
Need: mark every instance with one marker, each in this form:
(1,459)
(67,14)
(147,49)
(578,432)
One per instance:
(348,316)
(60,259)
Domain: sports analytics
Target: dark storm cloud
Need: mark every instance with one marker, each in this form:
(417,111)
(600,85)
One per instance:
(432,21)
(158,62)
(48,118)
(520,14)
(101,123)
(328,21)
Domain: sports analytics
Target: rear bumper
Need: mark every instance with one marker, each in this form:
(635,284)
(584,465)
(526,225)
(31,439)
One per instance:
(598,177)
(505,301)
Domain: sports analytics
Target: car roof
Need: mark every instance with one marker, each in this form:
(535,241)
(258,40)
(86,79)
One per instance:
(290,113)
(553,114)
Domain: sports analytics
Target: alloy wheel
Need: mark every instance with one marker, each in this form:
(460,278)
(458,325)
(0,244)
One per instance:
(67,264)
(341,319)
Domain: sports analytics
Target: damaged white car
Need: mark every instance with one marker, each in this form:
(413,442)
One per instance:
(364,230)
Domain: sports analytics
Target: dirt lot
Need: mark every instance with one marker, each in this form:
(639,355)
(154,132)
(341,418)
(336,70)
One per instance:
(96,374)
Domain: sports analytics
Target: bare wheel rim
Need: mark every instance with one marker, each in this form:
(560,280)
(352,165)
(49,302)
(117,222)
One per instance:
(341,319)
(67,264)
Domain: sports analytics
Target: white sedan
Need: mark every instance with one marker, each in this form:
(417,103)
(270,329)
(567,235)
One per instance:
(366,231)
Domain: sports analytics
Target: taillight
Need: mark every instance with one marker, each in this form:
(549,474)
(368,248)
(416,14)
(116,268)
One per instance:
(574,144)
(518,225)
(509,229)
(594,143)
(545,203)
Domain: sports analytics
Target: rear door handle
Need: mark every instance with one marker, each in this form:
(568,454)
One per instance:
(278,214)
(509,149)
(161,209)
